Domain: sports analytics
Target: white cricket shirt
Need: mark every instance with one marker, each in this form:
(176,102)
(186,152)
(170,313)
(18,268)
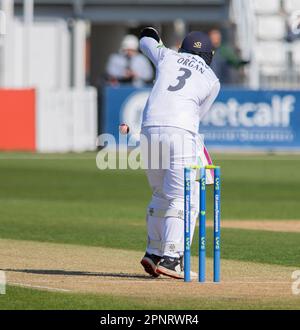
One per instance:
(184,90)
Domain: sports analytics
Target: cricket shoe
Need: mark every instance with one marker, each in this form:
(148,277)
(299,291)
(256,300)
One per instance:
(170,267)
(173,267)
(149,262)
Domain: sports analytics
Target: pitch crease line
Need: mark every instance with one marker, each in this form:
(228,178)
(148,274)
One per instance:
(38,287)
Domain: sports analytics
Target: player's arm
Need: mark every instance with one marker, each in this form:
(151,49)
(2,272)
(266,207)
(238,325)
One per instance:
(150,44)
(211,97)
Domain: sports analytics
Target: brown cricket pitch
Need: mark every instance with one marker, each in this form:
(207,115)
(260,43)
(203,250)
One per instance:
(117,272)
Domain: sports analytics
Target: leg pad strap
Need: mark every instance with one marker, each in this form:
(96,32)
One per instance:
(173,213)
(163,213)
(165,247)
(152,244)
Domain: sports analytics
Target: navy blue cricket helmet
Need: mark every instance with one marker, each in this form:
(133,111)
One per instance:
(198,43)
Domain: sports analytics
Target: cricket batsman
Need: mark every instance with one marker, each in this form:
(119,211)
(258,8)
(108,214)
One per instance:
(184,91)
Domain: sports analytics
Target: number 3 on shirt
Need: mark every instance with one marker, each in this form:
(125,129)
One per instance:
(181,80)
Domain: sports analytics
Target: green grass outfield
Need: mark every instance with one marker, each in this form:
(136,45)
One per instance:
(28,299)
(66,199)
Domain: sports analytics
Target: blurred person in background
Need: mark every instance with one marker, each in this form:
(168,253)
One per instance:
(226,61)
(129,66)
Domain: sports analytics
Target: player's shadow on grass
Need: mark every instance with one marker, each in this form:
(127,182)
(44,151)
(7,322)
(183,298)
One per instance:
(77,273)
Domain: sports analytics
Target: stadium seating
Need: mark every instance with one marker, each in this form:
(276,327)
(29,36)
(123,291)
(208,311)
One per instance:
(270,27)
(290,6)
(267,6)
(278,60)
(296,52)
(271,57)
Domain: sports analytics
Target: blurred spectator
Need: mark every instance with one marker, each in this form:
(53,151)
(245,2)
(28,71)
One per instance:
(129,66)
(225,61)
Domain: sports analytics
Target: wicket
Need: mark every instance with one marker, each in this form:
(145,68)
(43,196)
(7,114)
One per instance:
(202,222)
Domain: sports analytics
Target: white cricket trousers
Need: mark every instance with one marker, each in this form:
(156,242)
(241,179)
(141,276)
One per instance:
(166,151)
